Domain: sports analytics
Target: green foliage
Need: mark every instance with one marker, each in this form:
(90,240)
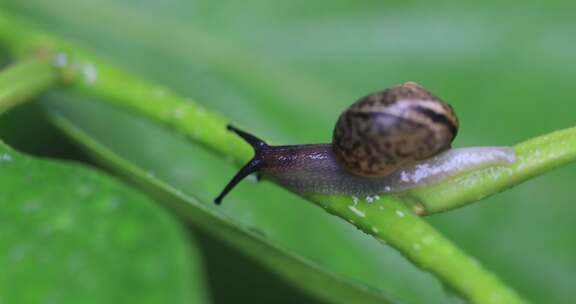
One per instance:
(286,70)
(69,234)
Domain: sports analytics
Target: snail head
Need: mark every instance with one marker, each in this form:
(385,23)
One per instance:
(252,166)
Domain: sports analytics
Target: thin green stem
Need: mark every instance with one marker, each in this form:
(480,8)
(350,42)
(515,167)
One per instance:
(390,219)
(393,222)
(88,74)
(23,80)
(535,156)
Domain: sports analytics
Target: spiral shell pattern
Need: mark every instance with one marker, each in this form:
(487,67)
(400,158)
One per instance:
(387,130)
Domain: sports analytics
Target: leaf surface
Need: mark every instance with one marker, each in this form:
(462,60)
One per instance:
(69,234)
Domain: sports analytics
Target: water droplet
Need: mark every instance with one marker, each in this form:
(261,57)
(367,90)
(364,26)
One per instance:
(179,111)
(355,200)
(252,178)
(61,60)
(358,212)
(371,199)
(427,240)
(90,73)
(5,157)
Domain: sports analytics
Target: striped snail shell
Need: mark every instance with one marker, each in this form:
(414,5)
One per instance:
(384,131)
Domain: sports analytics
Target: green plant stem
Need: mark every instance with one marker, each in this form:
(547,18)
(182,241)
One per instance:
(393,222)
(390,219)
(88,74)
(23,80)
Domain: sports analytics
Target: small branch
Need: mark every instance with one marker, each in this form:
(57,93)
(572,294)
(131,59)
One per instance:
(24,80)
(393,222)
(88,74)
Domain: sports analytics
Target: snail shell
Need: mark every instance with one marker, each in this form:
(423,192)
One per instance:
(384,131)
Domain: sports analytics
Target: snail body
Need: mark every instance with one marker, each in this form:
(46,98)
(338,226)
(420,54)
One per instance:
(314,169)
(389,141)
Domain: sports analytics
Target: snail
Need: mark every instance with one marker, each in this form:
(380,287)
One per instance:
(389,141)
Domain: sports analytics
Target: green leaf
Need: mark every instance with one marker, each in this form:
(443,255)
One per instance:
(71,235)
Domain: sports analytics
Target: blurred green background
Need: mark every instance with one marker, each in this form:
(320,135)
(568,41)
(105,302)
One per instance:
(285,70)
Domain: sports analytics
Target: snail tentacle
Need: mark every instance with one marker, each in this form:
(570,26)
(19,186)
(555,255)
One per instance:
(254,165)
(256,143)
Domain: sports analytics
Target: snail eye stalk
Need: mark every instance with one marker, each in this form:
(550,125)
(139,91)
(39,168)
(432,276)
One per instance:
(252,166)
(256,143)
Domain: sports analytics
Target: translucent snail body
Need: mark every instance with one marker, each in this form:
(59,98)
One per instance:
(389,141)
(313,169)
